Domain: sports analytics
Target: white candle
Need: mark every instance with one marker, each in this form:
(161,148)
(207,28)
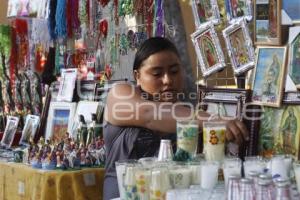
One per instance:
(278,167)
(180,178)
(297,174)
(196,174)
(209,175)
(160,184)
(143,180)
(253,165)
(228,171)
(120,168)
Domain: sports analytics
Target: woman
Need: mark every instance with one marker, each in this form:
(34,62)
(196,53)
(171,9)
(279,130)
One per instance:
(137,117)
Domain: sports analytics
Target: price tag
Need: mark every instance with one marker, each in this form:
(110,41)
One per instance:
(89,179)
(21,188)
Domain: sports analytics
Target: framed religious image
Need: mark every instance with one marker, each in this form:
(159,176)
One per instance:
(30,129)
(267,19)
(60,120)
(86,109)
(269,76)
(292,9)
(13,8)
(10,131)
(208,49)
(205,11)
(67,85)
(279,131)
(240,47)
(238,8)
(294,60)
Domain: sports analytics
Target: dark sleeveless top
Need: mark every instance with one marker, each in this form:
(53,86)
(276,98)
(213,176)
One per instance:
(129,143)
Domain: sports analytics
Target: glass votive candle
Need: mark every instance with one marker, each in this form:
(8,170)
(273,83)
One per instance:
(180,176)
(120,169)
(254,163)
(279,168)
(129,182)
(195,168)
(209,174)
(231,166)
(160,183)
(214,140)
(296,166)
(143,180)
(148,161)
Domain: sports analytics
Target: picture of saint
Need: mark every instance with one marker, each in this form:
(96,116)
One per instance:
(273,18)
(60,124)
(204,10)
(294,70)
(9,132)
(271,77)
(28,131)
(208,50)
(238,8)
(288,132)
(238,43)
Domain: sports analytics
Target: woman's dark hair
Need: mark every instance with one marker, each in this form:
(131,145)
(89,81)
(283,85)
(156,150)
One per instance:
(152,46)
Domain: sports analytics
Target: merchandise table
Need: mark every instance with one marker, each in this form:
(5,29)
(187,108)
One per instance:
(19,181)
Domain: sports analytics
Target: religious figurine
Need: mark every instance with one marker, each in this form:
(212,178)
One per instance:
(36,94)
(17,94)
(26,93)
(7,95)
(82,155)
(99,142)
(59,155)
(82,131)
(91,131)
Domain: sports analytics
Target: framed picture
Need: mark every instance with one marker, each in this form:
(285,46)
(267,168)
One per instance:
(240,47)
(279,131)
(60,120)
(30,129)
(239,8)
(205,11)
(292,9)
(208,49)
(86,108)
(67,85)
(269,76)
(10,131)
(294,61)
(267,19)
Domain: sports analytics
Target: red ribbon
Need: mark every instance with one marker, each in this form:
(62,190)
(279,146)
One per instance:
(103,27)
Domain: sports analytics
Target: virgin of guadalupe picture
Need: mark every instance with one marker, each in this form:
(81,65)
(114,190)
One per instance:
(294,61)
(280,131)
(238,43)
(269,76)
(208,50)
(238,8)
(204,10)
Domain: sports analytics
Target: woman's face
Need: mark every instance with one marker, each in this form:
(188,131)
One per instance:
(161,75)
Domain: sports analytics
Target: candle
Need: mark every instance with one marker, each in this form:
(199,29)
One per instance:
(209,174)
(130,183)
(279,167)
(120,169)
(232,166)
(253,164)
(196,173)
(160,183)
(297,174)
(143,179)
(214,140)
(180,177)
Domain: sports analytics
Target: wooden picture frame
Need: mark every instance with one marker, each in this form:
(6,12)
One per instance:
(269,76)
(60,120)
(10,131)
(294,61)
(30,129)
(240,47)
(236,9)
(208,49)
(267,22)
(205,11)
(292,9)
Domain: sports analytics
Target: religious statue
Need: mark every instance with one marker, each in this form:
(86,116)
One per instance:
(17,94)
(26,93)
(91,132)
(7,95)
(82,131)
(36,94)
(60,155)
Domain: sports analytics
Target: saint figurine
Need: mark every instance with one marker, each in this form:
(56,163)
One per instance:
(7,96)
(36,94)
(91,131)
(82,131)
(26,93)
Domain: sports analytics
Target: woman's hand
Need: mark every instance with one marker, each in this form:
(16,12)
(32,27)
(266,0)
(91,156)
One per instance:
(236,132)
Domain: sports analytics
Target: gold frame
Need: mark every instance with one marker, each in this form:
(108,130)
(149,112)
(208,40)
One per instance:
(269,41)
(281,77)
